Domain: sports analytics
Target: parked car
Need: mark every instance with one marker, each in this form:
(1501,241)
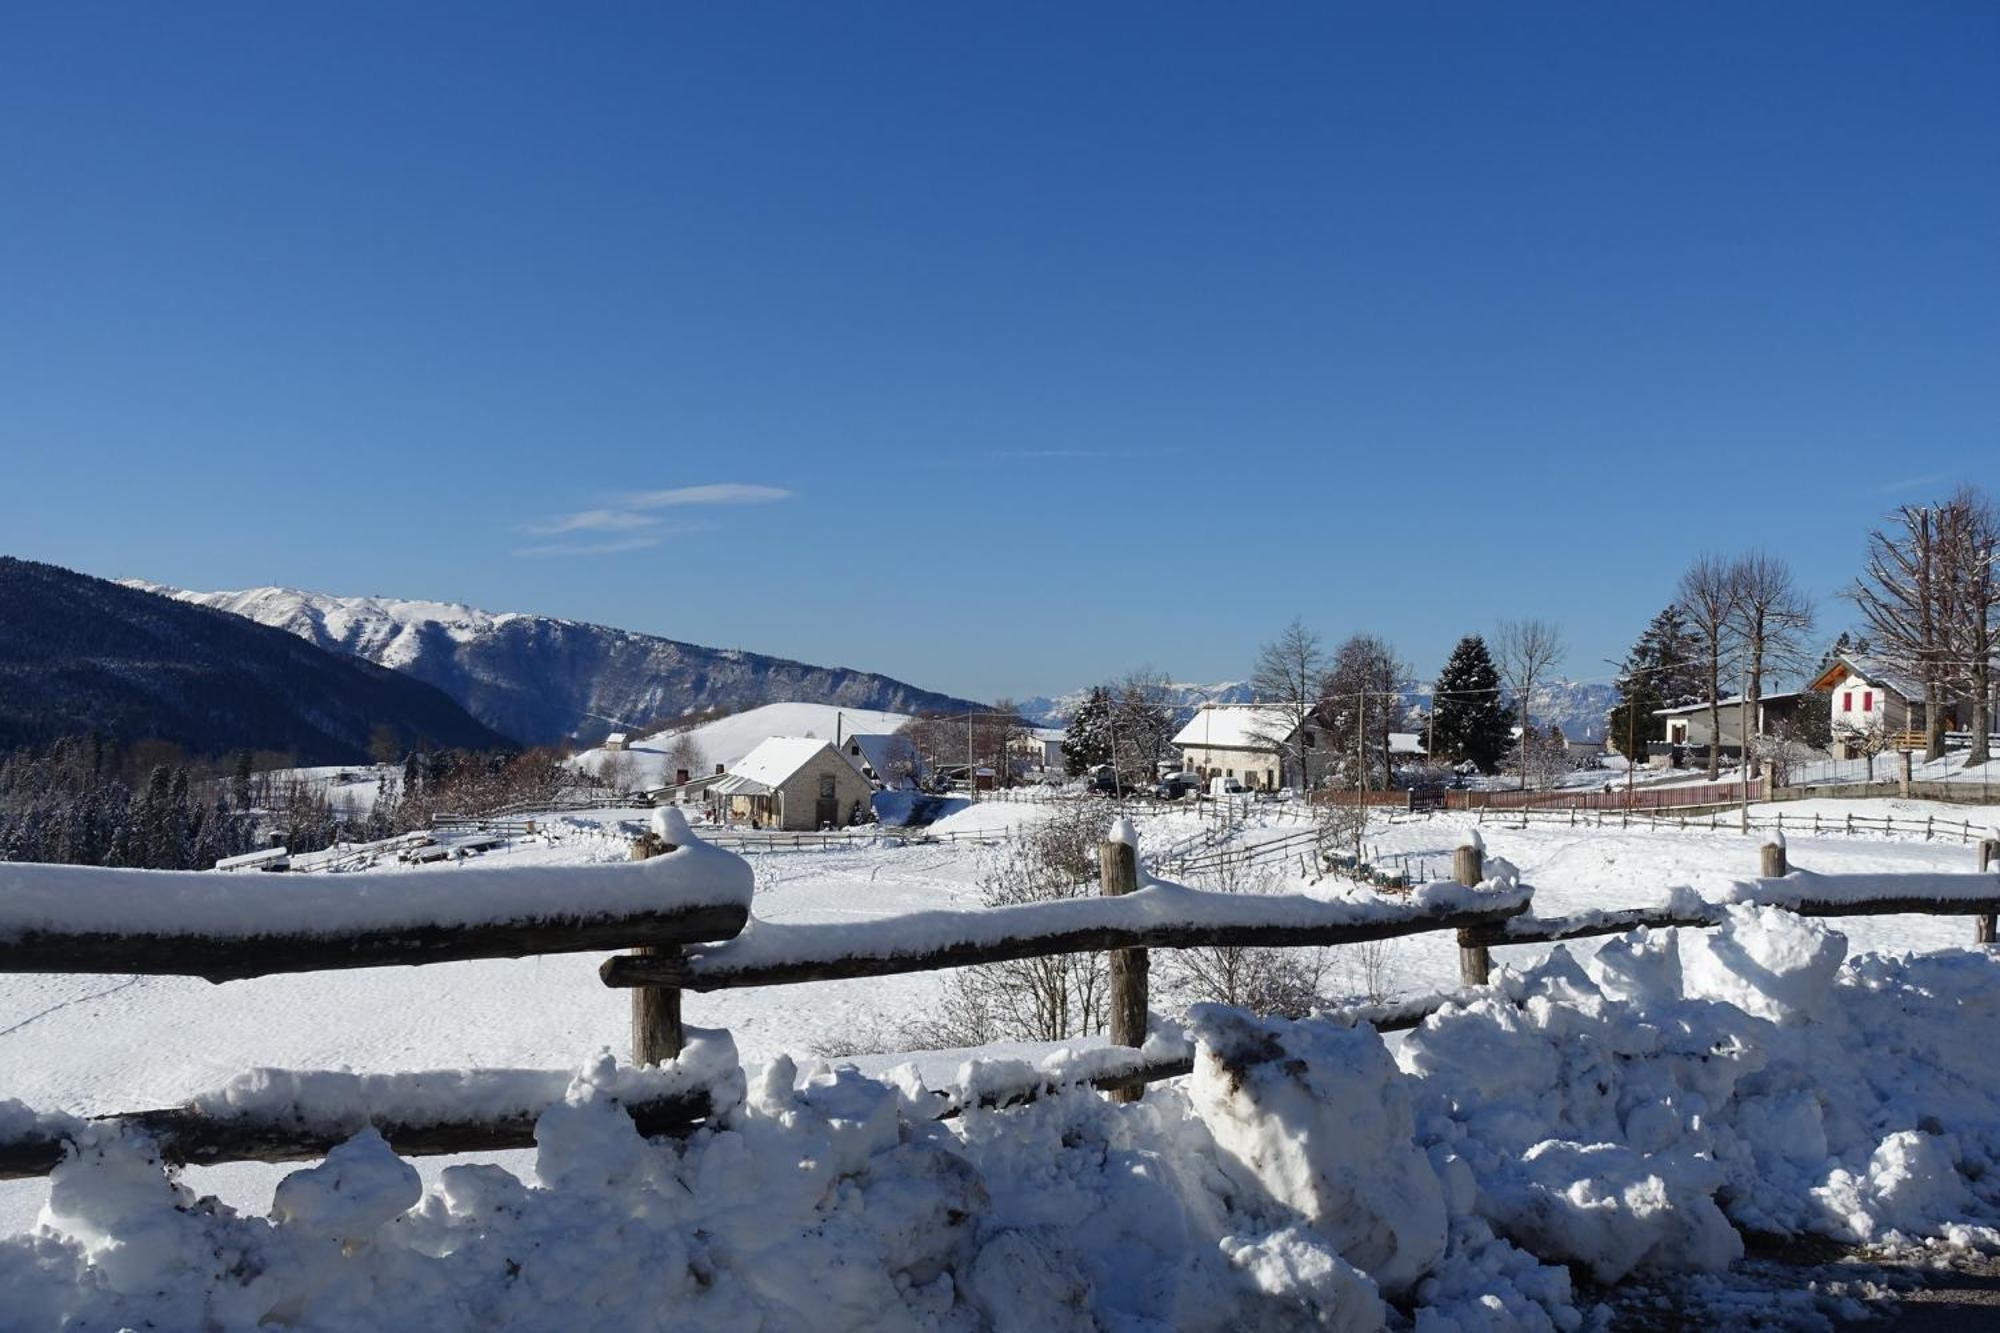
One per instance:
(1176,785)
(1221,786)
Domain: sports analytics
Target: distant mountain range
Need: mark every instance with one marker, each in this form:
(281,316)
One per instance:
(544,680)
(80,654)
(1578,706)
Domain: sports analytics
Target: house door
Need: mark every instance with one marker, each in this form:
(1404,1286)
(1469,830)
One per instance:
(826,813)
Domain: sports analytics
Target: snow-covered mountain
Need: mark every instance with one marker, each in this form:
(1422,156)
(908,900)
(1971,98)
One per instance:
(1054,710)
(542,680)
(1578,706)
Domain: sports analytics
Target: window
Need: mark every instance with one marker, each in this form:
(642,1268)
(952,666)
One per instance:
(1311,741)
(1867,701)
(826,786)
(1847,702)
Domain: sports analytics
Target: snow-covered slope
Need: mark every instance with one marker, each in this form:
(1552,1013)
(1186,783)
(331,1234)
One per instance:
(544,680)
(728,739)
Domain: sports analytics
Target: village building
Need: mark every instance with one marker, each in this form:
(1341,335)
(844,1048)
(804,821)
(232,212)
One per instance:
(1257,744)
(794,783)
(1873,706)
(1687,726)
(887,759)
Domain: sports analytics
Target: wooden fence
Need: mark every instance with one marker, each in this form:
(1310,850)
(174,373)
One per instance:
(704,948)
(1616,798)
(1930,828)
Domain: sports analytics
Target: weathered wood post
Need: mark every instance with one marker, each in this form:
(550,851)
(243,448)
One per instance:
(1903,774)
(1989,861)
(1118,858)
(1771,862)
(1468,867)
(656,1010)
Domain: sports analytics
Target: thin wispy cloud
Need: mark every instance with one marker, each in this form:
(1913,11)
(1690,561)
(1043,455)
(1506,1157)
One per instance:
(588,548)
(722,493)
(1918,483)
(633,513)
(590,520)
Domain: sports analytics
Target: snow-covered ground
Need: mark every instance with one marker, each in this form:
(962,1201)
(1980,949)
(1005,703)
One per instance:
(726,740)
(92,1045)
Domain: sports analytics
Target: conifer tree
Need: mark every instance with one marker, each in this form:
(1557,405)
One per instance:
(1088,740)
(1662,670)
(1470,722)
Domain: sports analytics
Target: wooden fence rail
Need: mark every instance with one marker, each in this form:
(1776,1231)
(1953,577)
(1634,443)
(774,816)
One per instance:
(681,954)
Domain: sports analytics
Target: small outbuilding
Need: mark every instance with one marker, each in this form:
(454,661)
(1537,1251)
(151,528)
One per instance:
(795,783)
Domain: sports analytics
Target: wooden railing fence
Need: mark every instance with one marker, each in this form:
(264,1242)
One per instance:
(672,952)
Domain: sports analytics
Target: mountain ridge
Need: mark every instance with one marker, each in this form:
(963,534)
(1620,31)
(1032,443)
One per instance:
(548,680)
(80,654)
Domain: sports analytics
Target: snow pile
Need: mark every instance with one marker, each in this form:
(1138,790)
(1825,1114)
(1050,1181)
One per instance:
(826,1204)
(1632,1113)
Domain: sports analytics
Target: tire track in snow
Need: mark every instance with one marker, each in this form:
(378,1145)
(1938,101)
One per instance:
(126,984)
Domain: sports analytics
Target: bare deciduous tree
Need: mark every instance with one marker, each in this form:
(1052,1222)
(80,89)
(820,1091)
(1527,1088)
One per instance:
(1290,678)
(1287,982)
(1972,622)
(1904,596)
(1143,723)
(1772,618)
(1707,596)
(686,753)
(1033,999)
(1526,652)
(1364,702)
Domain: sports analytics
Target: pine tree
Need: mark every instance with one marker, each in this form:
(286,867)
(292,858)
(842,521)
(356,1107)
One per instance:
(1662,670)
(1469,720)
(1088,741)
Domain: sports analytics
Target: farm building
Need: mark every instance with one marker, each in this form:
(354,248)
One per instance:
(795,783)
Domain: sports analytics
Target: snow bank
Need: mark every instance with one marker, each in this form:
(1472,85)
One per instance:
(1630,1114)
(59,899)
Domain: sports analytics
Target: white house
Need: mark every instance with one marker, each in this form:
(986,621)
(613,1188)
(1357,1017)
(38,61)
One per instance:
(1254,743)
(1872,705)
(797,783)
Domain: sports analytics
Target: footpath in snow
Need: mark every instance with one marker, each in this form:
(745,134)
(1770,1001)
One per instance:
(1629,1112)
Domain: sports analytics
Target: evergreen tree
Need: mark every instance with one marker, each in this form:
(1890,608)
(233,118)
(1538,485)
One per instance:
(1470,722)
(1088,740)
(1662,670)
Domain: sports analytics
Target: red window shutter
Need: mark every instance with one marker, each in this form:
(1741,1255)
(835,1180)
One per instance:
(1847,703)
(1867,701)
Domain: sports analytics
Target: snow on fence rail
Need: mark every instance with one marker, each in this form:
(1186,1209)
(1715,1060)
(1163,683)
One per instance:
(222,926)
(1159,915)
(1620,798)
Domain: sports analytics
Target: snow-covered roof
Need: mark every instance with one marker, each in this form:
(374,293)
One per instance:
(776,758)
(1876,671)
(886,753)
(615,738)
(1405,742)
(1236,727)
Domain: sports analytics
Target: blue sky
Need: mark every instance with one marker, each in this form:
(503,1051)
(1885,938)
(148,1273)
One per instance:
(1075,336)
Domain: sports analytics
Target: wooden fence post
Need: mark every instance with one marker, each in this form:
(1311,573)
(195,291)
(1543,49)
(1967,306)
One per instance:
(656,1010)
(1771,861)
(1989,860)
(1468,867)
(1118,858)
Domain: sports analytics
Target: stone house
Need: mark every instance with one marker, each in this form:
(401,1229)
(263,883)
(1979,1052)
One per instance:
(794,783)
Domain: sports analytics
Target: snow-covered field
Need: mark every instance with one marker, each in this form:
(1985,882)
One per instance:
(92,1045)
(726,740)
